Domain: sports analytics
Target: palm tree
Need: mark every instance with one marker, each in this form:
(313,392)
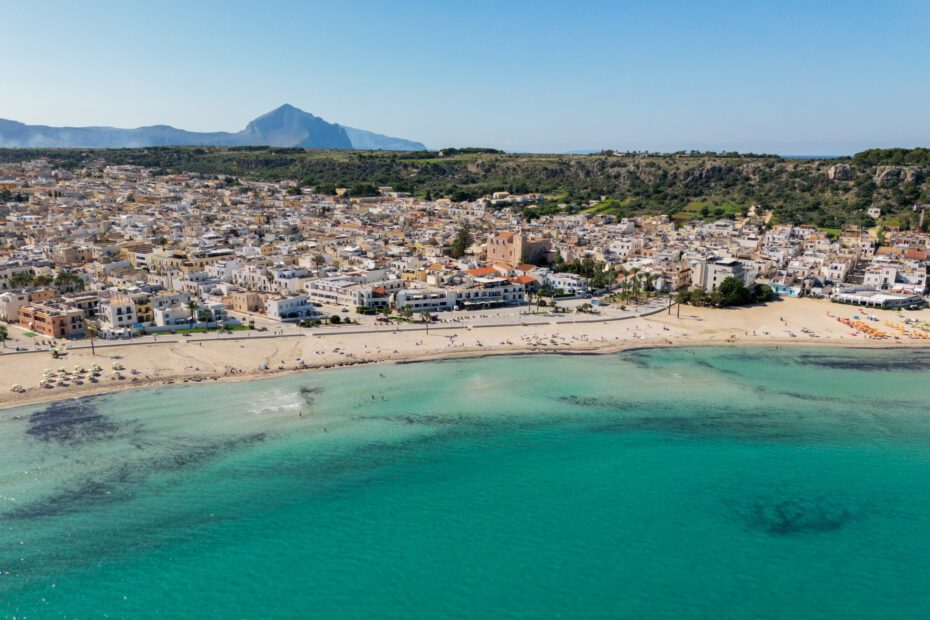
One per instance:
(426,317)
(92,333)
(650,282)
(3,335)
(635,284)
(65,281)
(192,306)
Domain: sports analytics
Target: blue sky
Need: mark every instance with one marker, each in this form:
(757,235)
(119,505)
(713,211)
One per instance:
(828,77)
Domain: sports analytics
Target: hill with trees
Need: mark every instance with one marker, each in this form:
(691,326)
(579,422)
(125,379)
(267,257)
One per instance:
(829,193)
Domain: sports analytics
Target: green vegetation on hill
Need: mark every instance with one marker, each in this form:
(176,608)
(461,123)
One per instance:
(703,209)
(893,157)
(828,193)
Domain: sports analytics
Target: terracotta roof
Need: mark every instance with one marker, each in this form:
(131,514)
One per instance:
(505,234)
(481,271)
(522,280)
(916,254)
(525,267)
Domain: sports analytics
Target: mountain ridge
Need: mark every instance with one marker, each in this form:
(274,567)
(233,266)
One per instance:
(285,126)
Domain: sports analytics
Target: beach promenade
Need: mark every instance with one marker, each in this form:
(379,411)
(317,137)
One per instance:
(243,355)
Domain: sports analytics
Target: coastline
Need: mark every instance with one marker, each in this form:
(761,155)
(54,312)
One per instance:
(44,397)
(245,358)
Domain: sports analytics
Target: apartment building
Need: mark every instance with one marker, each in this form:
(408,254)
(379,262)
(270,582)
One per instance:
(53,320)
(116,314)
(291,308)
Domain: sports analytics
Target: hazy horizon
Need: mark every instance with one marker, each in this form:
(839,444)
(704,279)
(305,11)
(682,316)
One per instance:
(793,79)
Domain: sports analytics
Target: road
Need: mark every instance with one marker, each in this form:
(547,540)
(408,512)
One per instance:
(265,328)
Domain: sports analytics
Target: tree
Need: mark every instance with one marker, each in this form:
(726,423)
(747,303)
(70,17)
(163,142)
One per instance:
(763,293)
(463,240)
(335,320)
(3,335)
(426,317)
(731,292)
(65,281)
(405,313)
(92,333)
(698,297)
(192,306)
(21,280)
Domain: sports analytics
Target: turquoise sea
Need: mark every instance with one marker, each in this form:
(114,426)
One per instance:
(706,483)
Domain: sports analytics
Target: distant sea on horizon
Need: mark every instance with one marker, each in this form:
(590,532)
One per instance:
(670,483)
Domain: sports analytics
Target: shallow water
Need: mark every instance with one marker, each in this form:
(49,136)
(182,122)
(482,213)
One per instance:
(718,483)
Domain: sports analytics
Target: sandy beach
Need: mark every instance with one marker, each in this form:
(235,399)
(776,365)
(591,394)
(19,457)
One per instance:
(179,360)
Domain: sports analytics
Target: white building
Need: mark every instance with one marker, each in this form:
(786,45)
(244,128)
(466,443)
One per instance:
(709,273)
(167,299)
(172,315)
(10,303)
(569,283)
(353,291)
(425,300)
(290,308)
(488,292)
(116,314)
(482,293)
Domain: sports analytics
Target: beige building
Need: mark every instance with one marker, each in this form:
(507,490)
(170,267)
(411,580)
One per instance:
(516,248)
(244,301)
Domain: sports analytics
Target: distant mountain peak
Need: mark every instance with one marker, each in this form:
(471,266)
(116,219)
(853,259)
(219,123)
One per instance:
(285,126)
(289,126)
(284,111)
(286,107)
